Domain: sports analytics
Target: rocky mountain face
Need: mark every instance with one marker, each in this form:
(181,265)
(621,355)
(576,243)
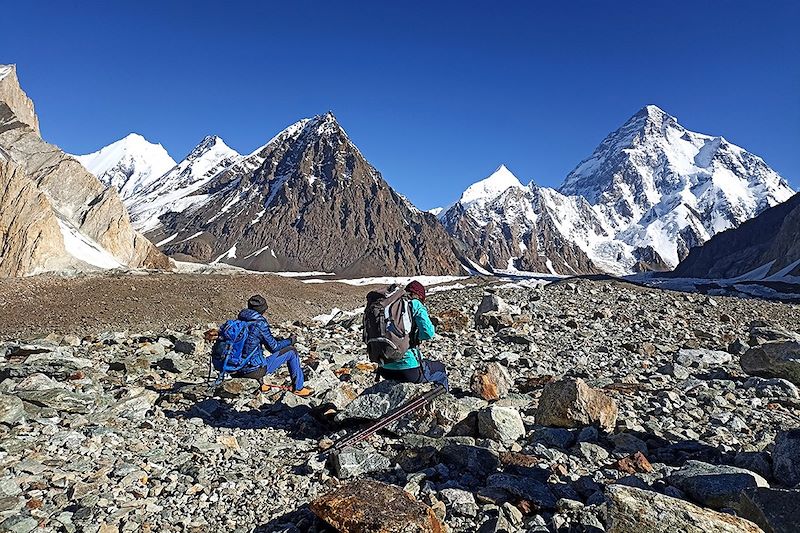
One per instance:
(60,217)
(129,165)
(581,406)
(508,226)
(651,191)
(306,201)
(767,246)
(15,98)
(30,236)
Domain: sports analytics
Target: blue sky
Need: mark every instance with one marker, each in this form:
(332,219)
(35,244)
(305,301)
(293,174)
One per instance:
(436,95)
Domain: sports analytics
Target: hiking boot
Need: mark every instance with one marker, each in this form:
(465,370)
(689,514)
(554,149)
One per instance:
(304,392)
(269,387)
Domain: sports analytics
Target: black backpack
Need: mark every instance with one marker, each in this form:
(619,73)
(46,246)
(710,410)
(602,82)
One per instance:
(387,324)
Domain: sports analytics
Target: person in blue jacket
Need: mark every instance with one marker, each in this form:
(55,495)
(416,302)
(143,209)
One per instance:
(282,351)
(412,368)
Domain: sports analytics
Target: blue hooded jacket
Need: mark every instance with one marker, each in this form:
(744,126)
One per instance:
(259,336)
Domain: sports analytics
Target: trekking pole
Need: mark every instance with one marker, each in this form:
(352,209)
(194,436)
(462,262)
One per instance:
(392,416)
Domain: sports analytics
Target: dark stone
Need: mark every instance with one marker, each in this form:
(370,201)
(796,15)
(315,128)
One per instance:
(774,510)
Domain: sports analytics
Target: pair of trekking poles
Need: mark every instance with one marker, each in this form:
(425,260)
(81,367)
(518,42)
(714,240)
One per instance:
(392,416)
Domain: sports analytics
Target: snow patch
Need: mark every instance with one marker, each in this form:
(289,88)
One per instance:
(230,254)
(302,274)
(85,249)
(389,280)
(167,240)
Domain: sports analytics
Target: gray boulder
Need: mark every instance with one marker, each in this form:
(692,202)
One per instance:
(60,400)
(774,510)
(774,360)
(436,418)
(632,510)
(379,399)
(503,424)
(786,458)
(703,358)
(472,459)
(772,388)
(11,410)
(716,486)
(459,502)
(524,487)
(352,462)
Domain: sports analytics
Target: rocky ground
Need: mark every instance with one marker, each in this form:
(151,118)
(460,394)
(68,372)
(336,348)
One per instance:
(579,406)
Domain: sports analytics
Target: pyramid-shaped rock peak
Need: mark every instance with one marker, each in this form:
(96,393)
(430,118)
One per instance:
(307,200)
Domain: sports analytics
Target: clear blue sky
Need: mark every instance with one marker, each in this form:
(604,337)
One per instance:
(435,96)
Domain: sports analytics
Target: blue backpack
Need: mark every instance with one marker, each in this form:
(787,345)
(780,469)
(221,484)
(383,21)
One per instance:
(228,355)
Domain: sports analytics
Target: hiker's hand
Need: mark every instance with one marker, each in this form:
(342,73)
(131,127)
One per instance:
(211,335)
(293,340)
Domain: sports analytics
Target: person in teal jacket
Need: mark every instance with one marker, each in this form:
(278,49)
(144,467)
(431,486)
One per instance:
(412,368)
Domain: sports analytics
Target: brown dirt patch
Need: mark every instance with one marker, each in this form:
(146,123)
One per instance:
(94,303)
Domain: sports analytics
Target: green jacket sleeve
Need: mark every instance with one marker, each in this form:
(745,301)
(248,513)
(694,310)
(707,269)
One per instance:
(422,320)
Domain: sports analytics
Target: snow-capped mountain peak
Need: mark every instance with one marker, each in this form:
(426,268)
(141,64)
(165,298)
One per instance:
(648,193)
(210,142)
(665,189)
(129,164)
(489,188)
(174,190)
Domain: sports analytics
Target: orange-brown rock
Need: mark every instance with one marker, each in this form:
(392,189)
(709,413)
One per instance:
(367,506)
(492,382)
(633,464)
(572,403)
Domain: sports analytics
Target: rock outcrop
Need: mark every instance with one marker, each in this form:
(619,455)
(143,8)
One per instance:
(16,99)
(61,217)
(30,238)
(764,247)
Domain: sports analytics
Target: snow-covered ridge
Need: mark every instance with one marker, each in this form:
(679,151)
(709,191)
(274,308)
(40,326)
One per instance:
(173,191)
(5,70)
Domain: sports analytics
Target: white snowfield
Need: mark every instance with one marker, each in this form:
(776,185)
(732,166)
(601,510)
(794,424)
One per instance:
(5,70)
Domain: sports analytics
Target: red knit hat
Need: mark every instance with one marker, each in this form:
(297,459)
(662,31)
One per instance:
(416,288)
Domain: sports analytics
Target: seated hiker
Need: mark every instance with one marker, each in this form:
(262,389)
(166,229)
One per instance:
(411,367)
(258,336)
